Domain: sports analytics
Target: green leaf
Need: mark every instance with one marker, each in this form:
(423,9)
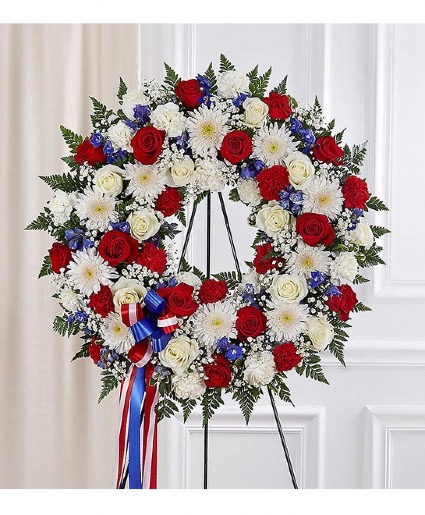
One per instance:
(83,352)
(187,407)
(278,386)
(109,383)
(232,279)
(247,396)
(281,88)
(70,161)
(121,207)
(46,267)
(71,139)
(101,115)
(41,223)
(259,238)
(369,257)
(185,267)
(311,367)
(253,74)
(234,195)
(225,64)
(199,273)
(211,400)
(336,347)
(361,307)
(122,89)
(60,182)
(359,279)
(199,198)
(166,408)
(210,75)
(181,217)
(259,85)
(379,231)
(63,327)
(376,204)
(171,77)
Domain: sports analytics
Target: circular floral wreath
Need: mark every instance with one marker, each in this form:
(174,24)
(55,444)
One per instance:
(115,266)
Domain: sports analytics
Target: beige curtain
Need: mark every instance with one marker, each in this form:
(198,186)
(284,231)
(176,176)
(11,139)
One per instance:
(52,432)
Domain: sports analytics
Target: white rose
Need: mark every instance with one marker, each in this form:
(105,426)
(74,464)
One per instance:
(108,179)
(345,268)
(272,218)
(188,386)
(320,332)
(181,172)
(288,288)
(259,368)
(179,354)
(249,192)
(131,100)
(300,169)
(189,278)
(255,111)
(143,224)
(61,206)
(169,118)
(120,135)
(127,291)
(363,235)
(231,83)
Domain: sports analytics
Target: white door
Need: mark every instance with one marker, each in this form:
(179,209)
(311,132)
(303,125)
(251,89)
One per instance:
(367,429)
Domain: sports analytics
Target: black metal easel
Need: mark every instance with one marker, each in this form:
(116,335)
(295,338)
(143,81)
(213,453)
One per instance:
(236,260)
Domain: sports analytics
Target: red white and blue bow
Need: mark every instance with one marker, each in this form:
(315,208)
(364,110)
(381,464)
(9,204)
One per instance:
(137,444)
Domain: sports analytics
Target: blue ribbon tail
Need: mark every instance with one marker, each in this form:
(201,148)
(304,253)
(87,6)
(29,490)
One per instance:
(134,457)
(160,340)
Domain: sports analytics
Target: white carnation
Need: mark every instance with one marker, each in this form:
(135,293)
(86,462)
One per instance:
(188,386)
(169,118)
(259,368)
(231,83)
(120,135)
(189,278)
(249,192)
(61,206)
(344,268)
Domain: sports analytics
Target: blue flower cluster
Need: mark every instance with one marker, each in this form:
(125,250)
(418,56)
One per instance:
(306,134)
(230,351)
(291,199)
(205,85)
(76,239)
(120,226)
(107,358)
(252,169)
(111,156)
(356,219)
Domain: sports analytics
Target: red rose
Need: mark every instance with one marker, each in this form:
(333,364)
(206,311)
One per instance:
(315,229)
(279,108)
(327,150)
(286,357)
(117,246)
(272,180)
(236,146)
(60,256)
(102,302)
(168,201)
(189,92)
(212,291)
(87,152)
(147,145)
(355,192)
(179,299)
(219,373)
(250,322)
(344,303)
(94,351)
(262,264)
(153,258)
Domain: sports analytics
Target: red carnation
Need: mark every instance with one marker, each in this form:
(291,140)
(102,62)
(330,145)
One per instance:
(153,258)
(327,150)
(212,291)
(219,373)
(314,229)
(179,299)
(279,107)
(87,152)
(263,264)
(60,256)
(102,301)
(286,357)
(236,146)
(147,144)
(117,247)
(355,192)
(250,322)
(344,303)
(272,180)
(189,92)
(94,351)
(168,201)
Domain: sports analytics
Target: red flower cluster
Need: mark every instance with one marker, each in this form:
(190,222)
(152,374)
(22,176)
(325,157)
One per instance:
(102,301)
(94,350)
(60,256)
(219,372)
(87,152)
(314,229)
(212,291)
(286,357)
(344,303)
(189,92)
(263,264)
(147,145)
(179,299)
(168,202)
(355,192)
(272,180)
(327,150)
(153,258)
(279,107)
(117,247)
(250,322)
(236,146)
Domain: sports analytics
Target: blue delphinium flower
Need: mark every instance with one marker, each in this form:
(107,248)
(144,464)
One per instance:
(107,358)
(142,114)
(295,126)
(240,99)
(181,141)
(248,293)
(120,226)
(108,149)
(96,139)
(76,240)
(291,199)
(203,82)
(79,317)
(317,278)
(309,138)
(234,352)
(130,124)
(120,154)
(222,344)
(354,221)
(252,169)
(333,290)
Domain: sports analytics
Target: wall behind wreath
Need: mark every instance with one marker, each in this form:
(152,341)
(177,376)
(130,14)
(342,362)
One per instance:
(365,430)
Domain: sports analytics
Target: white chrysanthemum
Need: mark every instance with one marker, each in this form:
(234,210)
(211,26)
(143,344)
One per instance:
(146,182)
(120,135)
(188,386)
(97,208)
(207,128)
(344,268)
(308,259)
(249,192)
(116,334)
(272,145)
(61,206)
(169,118)
(286,321)
(88,271)
(323,197)
(214,321)
(209,176)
